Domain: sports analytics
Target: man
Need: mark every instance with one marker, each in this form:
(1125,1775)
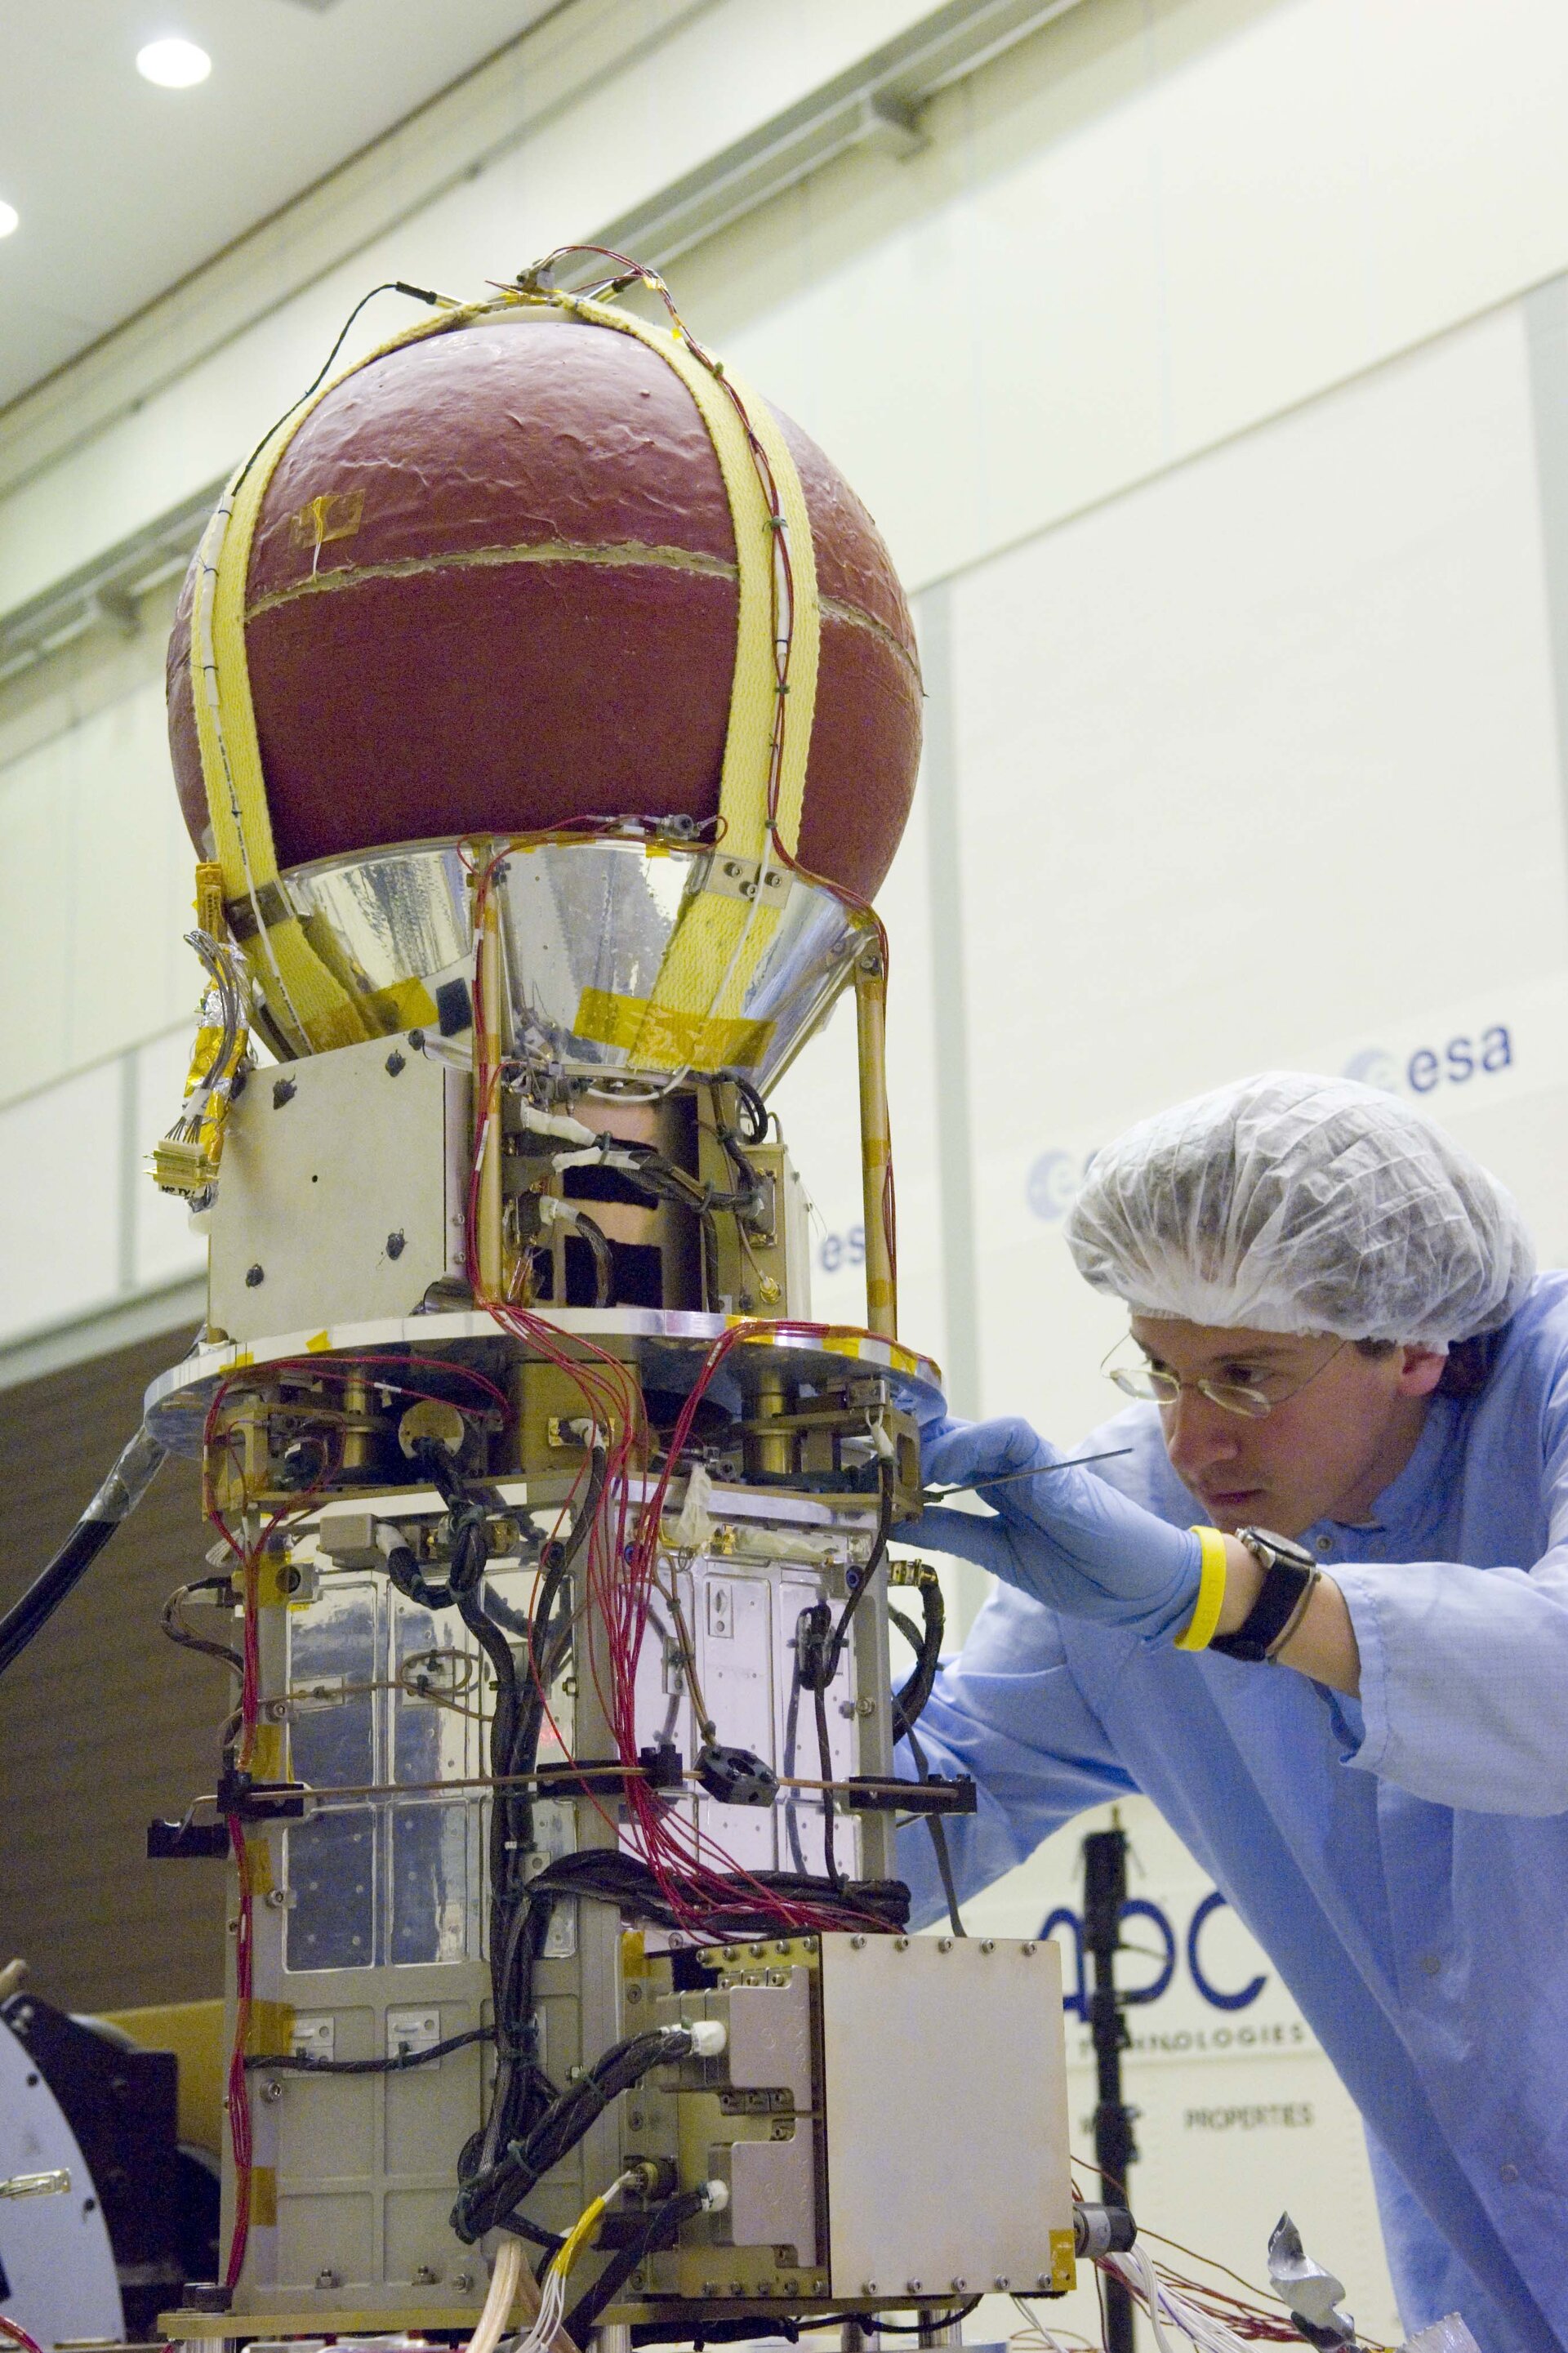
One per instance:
(1347,1690)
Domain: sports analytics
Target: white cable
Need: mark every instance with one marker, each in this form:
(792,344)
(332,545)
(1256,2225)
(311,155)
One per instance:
(1163,2303)
(498,2302)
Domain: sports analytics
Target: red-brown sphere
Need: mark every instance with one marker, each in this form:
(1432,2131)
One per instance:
(493,589)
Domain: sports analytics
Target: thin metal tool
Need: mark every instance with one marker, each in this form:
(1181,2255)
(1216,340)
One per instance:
(1000,1478)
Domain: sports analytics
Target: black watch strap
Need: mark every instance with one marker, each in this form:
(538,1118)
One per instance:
(1289,1573)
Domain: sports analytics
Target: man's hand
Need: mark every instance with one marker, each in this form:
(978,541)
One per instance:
(1065,1537)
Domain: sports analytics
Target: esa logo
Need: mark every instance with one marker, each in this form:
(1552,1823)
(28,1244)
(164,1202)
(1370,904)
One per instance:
(1052,1184)
(837,1251)
(1453,1064)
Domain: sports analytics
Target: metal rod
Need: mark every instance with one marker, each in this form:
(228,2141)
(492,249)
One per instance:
(876,1142)
(487,1065)
(1000,1478)
(1104,1894)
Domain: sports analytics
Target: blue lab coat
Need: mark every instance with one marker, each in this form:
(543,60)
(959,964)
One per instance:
(1402,1859)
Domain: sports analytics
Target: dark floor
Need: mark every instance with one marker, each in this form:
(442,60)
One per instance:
(103,1723)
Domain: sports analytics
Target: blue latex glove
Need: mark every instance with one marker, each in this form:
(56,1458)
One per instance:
(1067,1538)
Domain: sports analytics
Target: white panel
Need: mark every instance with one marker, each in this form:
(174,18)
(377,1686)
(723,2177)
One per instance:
(60,1239)
(36,801)
(164,1247)
(1259,758)
(95,893)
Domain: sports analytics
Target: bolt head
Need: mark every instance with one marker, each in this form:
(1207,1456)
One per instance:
(944,1944)
(394,1063)
(254,1275)
(913,2286)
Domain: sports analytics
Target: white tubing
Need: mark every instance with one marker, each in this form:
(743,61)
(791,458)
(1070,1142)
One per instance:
(498,2302)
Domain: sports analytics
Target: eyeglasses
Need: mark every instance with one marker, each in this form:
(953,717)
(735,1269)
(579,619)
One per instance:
(1252,1400)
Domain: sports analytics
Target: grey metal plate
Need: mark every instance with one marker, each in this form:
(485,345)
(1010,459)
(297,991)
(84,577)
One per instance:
(947,2117)
(336,1198)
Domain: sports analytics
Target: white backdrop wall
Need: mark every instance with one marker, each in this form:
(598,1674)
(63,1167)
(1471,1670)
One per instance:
(1207,369)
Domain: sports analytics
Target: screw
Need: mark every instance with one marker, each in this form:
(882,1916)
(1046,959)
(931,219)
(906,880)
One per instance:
(913,2286)
(900,1943)
(394,1063)
(856,1944)
(272,2090)
(634,2120)
(327,2279)
(253,1275)
(290,1580)
(961,2285)
(276,1711)
(782,2132)
(1030,1948)
(426,2274)
(277,1899)
(868,2288)
(395,1244)
(283,1090)
(634,1993)
(462,2279)
(1042,2279)
(89,2205)
(1002,2280)
(944,1944)
(987,1944)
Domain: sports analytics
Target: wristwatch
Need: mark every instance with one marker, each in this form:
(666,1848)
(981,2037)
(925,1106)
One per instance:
(1289,1573)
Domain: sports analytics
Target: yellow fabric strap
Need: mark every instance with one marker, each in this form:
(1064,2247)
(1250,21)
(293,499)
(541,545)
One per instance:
(721,939)
(306,993)
(694,1012)
(1199,1631)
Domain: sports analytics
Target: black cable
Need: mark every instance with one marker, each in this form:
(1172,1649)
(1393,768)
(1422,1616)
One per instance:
(938,1829)
(484,2203)
(752,1104)
(300,2062)
(909,1703)
(607,1876)
(388,286)
(663,2225)
(819,1652)
(172,1624)
(121,1493)
(825,1757)
(520,1922)
(875,2322)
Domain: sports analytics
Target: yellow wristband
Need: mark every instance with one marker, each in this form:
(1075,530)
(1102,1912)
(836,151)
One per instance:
(1199,1629)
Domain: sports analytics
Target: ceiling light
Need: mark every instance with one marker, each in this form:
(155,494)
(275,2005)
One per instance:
(9,218)
(173,64)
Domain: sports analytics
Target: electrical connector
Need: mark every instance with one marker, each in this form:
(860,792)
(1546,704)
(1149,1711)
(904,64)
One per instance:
(709,2037)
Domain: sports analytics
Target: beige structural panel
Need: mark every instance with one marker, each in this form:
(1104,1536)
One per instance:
(942,2059)
(341,1190)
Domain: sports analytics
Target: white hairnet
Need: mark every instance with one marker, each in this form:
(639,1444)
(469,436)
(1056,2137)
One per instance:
(1287,1203)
